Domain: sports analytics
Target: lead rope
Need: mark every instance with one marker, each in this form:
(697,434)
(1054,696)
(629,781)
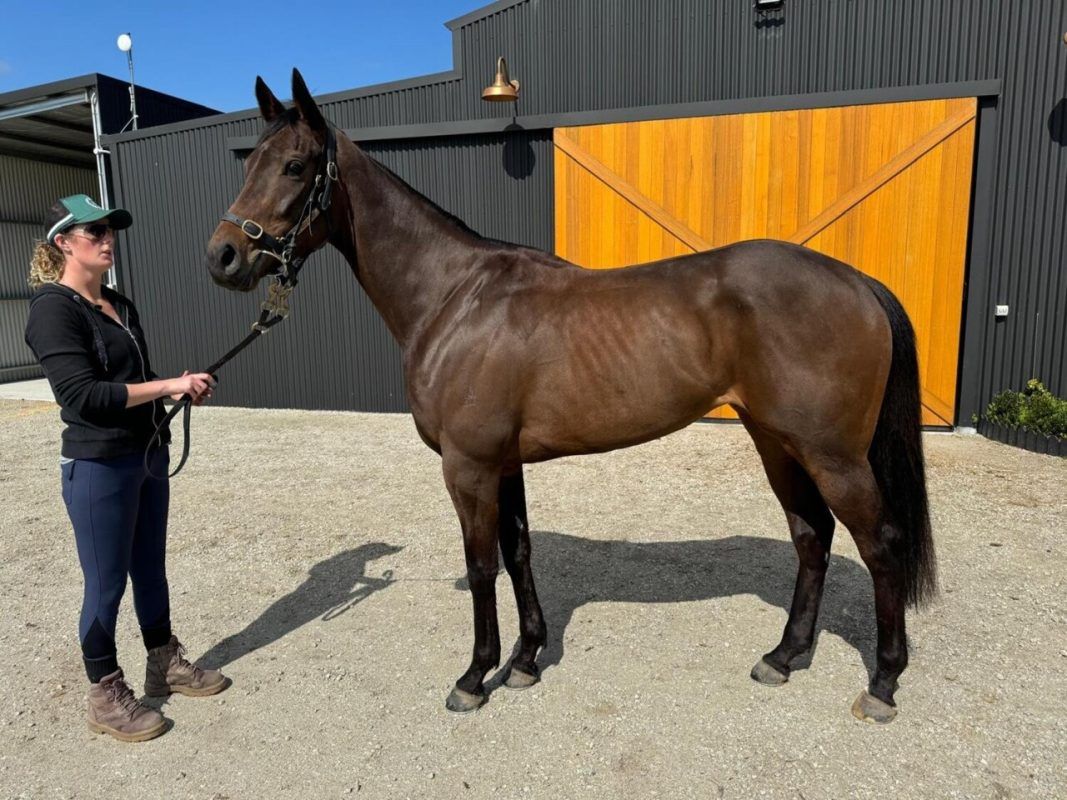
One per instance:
(275,309)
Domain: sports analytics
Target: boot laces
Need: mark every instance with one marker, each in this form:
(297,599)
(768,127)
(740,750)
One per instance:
(119,693)
(185,664)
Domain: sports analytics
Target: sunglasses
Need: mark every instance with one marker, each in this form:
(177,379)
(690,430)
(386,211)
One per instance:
(97,231)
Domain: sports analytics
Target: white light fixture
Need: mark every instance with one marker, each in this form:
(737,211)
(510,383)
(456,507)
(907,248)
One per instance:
(125,44)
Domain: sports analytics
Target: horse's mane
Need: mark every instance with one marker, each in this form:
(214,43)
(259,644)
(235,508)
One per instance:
(292,116)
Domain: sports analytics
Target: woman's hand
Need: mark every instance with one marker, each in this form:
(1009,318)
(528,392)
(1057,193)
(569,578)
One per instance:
(197,385)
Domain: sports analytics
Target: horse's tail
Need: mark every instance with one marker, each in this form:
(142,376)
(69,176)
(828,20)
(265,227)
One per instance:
(896,456)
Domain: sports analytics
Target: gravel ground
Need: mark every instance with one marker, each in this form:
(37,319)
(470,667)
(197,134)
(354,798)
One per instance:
(317,558)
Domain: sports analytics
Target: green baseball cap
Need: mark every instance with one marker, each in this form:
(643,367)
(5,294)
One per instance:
(82,209)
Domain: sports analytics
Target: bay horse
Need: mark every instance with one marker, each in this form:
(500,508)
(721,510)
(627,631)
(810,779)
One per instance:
(513,356)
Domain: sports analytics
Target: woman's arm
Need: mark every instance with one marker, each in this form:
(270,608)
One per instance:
(198,385)
(54,333)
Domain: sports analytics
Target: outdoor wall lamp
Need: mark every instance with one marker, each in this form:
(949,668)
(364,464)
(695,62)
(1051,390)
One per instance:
(502,89)
(763,4)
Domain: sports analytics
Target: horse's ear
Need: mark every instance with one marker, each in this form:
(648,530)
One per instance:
(269,105)
(305,103)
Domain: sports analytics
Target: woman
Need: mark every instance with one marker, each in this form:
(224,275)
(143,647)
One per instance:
(88,339)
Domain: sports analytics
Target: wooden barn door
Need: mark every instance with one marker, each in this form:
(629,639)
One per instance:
(885,188)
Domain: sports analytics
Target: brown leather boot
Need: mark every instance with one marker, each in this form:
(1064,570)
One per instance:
(114,709)
(168,671)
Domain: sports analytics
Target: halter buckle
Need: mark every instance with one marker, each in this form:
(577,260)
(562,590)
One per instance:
(253,230)
(331,170)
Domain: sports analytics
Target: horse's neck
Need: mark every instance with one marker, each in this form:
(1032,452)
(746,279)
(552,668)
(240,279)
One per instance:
(407,254)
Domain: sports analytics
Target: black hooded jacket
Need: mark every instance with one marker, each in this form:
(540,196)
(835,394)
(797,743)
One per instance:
(88,359)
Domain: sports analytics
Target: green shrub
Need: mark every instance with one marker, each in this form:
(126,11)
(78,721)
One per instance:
(1035,408)
(1005,409)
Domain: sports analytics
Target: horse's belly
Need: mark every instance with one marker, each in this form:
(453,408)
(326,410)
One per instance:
(621,384)
(592,421)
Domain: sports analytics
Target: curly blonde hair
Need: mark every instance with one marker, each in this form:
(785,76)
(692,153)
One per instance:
(46,264)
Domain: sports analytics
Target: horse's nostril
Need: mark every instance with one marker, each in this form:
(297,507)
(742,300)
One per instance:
(228,255)
(231,264)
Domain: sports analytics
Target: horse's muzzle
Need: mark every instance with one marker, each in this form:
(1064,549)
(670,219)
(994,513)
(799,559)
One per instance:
(229,268)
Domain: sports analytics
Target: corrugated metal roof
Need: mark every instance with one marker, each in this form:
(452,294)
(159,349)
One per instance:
(60,134)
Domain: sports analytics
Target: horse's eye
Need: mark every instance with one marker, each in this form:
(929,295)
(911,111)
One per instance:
(294,168)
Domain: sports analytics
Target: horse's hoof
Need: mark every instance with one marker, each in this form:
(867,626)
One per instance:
(517,679)
(869,708)
(767,675)
(463,702)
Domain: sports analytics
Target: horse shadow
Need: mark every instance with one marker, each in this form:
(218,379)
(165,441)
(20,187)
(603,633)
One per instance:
(332,587)
(571,571)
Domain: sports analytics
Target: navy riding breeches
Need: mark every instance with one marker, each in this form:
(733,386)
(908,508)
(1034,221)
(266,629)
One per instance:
(120,526)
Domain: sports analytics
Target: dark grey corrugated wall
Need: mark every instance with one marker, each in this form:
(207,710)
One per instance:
(600,55)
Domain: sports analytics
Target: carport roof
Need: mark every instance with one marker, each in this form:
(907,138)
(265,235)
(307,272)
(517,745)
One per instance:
(52,121)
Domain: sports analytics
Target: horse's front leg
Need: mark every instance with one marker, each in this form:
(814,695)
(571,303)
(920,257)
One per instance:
(515,547)
(474,489)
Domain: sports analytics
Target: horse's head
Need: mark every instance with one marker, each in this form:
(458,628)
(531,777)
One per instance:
(280,203)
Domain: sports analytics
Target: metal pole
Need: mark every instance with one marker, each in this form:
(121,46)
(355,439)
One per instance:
(133,96)
(112,277)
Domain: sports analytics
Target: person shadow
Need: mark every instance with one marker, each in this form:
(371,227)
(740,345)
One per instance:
(571,571)
(332,587)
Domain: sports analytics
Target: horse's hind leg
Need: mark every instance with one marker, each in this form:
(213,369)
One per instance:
(515,547)
(812,528)
(474,489)
(851,491)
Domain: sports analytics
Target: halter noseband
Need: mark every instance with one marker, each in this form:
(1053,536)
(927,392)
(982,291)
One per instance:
(318,201)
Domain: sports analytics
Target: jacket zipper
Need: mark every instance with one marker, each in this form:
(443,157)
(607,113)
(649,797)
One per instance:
(137,347)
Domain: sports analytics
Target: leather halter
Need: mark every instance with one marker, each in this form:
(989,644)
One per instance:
(317,204)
